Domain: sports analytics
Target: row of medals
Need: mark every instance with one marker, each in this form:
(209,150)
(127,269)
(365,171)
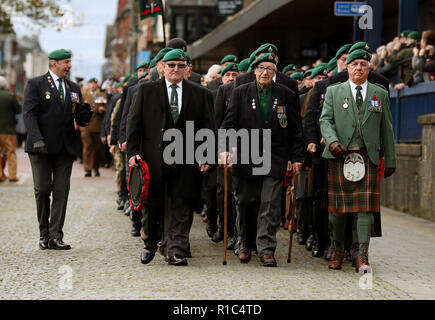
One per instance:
(281,116)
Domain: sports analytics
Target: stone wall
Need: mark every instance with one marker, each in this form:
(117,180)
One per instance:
(411,188)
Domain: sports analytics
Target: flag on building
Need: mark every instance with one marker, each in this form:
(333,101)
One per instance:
(150,8)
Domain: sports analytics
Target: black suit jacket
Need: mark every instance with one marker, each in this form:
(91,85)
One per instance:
(47,119)
(147,121)
(222,101)
(287,143)
(214,84)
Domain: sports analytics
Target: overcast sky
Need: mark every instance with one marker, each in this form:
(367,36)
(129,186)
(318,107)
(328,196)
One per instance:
(86,41)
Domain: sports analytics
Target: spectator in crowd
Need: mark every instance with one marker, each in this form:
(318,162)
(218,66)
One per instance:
(9,108)
(423,62)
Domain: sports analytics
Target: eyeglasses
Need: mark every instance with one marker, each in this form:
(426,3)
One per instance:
(268,69)
(173,65)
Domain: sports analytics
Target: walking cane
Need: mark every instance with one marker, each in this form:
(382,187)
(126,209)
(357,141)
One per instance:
(292,223)
(224,262)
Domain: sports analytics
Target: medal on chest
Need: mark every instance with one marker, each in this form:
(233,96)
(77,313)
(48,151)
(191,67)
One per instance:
(282,116)
(346,103)
(47,95)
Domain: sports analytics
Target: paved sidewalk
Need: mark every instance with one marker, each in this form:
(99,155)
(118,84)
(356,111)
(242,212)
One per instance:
(104,262)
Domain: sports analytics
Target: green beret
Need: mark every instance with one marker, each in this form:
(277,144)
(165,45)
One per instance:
(153,70)
(252,57)
(266,48)
(359,54)
(308,73)
(332,64)
(318,70)
(405,33)
(266,57)
(229,58)
(230,67)
(360,46)
(143,75)
(161,54)
(343,50)
(152,63)
(125,79)
(290,67)
(415,35)
(93,80)
(297,76)
(244,65)
(175,55)
(142,65)
(59,54)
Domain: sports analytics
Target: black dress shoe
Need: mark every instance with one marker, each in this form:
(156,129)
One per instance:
(210,231)
(218,237)
(128,211)
(134,232)
(309,243)
(177,261)
(121,205)
(231,243)
(301,239)
(58,245)
(96,173)
(43,243)
(147,255)
(88,174)
(317,250)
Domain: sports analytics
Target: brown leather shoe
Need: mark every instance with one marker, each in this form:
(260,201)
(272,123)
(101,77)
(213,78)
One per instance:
(362,264)
(336,259)
(245,253)
(268,260)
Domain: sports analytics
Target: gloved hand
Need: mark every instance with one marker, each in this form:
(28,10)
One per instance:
(337,149)
(40,147)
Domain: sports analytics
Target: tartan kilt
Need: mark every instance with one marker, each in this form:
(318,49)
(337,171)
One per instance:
(345,196)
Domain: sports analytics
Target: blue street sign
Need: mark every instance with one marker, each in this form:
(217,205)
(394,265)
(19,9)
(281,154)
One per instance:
(346,8)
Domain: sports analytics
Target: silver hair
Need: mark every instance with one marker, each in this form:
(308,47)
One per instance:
(380,49)
(3,83)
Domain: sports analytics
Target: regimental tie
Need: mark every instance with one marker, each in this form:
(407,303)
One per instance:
(62,94)
(359,98)
(174,102)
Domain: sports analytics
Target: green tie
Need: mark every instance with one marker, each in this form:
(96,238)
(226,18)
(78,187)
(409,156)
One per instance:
(62,95)
(359,98)
(174,102)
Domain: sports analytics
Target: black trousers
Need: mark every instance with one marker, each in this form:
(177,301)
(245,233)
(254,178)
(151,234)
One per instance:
(51,176)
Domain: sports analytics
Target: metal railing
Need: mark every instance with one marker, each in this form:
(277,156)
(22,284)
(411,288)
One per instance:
(406,106)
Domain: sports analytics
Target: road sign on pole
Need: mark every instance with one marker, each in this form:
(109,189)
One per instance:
(347,8)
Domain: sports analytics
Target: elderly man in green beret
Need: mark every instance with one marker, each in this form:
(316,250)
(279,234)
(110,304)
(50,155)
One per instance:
(243,66)
(290,69)
(268,107)
(52,144)
(215,84)
(161,109)
(356,126)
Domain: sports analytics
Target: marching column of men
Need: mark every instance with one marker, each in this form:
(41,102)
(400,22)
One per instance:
(329,125)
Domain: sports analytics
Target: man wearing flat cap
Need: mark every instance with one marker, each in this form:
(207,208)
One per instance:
(52,145)
(160,107)
(268,107)
(357,127)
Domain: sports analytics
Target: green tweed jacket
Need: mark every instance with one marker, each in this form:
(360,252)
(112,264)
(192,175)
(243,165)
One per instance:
(338,123)
(9,107)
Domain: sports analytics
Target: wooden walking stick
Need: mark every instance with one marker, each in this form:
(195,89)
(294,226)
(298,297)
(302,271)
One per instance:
(293,223)
(224,262)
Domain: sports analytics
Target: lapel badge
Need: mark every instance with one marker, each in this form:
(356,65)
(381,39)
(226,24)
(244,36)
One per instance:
(345,105)
(253,104)
(47,95)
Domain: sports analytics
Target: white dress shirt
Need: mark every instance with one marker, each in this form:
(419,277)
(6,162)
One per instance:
(354,92)
(54,77)
(179,92)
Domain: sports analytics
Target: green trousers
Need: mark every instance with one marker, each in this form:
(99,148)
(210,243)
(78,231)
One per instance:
(364,228)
